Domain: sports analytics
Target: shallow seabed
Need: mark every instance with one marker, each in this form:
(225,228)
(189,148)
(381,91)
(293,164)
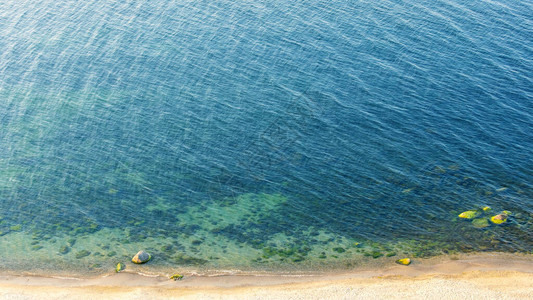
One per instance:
(205,241)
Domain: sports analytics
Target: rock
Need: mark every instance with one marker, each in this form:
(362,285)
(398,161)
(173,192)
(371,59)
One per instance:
(120,267)
(404,261)
(480,223)
(166,248)
(141,257)
(469,214)
(487,208)
(176,277)
(376,254)
(339,249)
(64,249)
(499,219)
(82,253)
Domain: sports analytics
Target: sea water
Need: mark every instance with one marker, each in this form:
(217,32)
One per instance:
(262,135)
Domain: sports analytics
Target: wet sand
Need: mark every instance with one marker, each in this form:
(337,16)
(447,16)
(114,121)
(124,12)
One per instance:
(483,276)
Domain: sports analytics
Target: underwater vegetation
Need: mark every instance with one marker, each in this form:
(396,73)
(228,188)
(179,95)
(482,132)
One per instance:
(279,230)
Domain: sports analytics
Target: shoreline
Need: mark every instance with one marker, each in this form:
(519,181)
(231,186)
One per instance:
(503,275)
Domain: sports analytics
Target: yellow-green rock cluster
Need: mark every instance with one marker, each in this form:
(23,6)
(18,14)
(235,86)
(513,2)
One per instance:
(483,222)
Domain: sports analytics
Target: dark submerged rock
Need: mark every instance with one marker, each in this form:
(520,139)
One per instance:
(82,254)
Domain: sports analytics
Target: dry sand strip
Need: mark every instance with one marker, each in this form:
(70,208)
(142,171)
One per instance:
(470,285)
(482,277)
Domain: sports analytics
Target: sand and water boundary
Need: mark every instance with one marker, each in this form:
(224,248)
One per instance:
(475,276)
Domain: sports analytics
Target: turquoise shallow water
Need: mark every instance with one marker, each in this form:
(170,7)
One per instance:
(278,135)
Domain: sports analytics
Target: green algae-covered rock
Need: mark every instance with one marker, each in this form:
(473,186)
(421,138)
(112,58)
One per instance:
(499,219)
(469,214)
(82,253)
(480,223)
(404,261)
(16,227)
(487,208)
(376,254)
(176,277)
(339,249)
(166,248)
(120,267)
(64,249)
(141,257)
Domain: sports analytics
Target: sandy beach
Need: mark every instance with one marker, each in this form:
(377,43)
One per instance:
(487,276)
